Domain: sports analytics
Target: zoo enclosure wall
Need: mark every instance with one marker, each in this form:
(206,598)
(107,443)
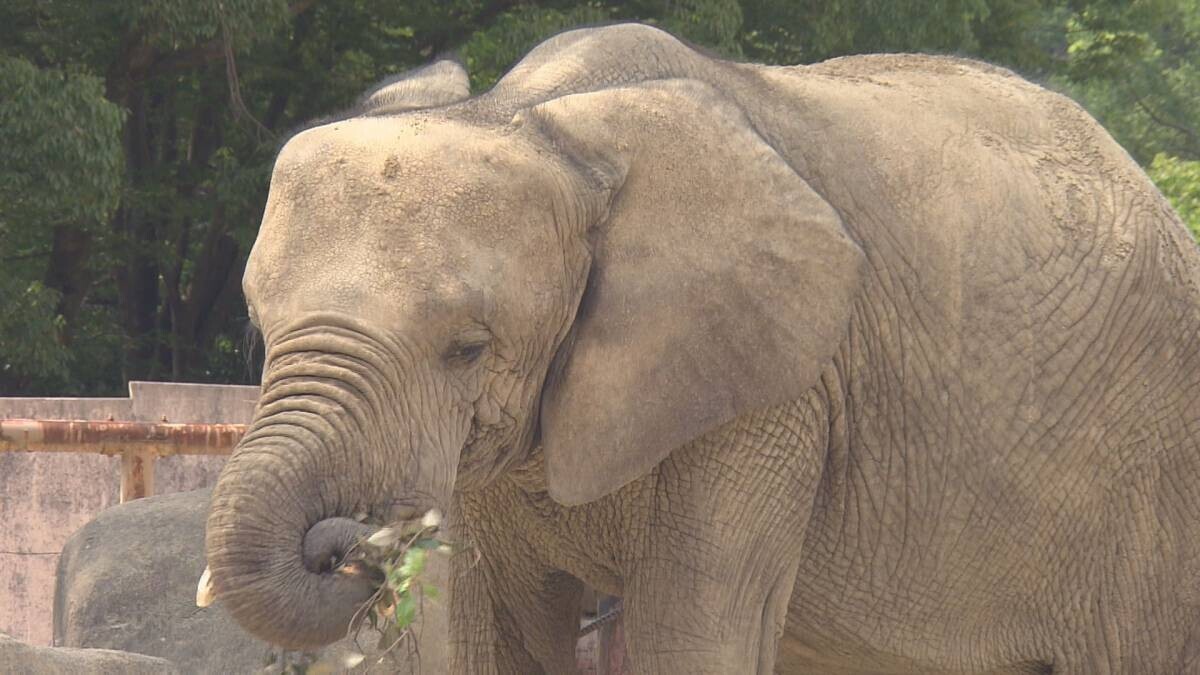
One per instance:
(45,496)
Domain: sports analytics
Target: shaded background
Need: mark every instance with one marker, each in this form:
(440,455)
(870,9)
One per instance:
(137,136)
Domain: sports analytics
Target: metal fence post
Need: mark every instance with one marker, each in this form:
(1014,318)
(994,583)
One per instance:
(137,474)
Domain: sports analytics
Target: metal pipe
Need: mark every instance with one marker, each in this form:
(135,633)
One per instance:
(115,438)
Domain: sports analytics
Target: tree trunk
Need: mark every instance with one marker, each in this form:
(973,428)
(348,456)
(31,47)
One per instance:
(67,273)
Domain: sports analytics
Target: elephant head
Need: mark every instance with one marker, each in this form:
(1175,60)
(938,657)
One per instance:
(600,277)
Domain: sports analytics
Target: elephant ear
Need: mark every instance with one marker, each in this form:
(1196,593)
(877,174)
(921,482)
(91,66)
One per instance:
(720,282)
(442,82)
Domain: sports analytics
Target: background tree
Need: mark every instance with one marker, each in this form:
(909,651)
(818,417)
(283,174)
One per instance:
(136,136)
(1136,66)
(58,136)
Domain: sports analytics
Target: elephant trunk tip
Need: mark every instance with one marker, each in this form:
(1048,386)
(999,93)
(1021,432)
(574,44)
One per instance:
(329,542)
(295,597)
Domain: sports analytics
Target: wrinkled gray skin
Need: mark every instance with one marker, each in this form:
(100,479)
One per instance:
(882,365)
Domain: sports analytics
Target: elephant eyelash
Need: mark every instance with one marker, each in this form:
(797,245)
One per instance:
(466,354)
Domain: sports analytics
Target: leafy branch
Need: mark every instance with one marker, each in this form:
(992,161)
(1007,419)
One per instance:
(397,554)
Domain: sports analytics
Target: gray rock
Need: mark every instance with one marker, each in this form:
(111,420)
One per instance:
(18,657)
(127,581)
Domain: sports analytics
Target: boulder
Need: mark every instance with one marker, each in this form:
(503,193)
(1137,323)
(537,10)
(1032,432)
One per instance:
(127,581)
(18,657)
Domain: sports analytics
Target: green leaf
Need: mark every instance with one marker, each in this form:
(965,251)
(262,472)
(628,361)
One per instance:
(395,577)
(406,610)
(1179,181)
(414,562)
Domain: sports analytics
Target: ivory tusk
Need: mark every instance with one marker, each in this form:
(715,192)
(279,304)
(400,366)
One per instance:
(204,590)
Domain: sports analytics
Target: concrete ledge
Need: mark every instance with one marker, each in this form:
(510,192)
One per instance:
(44,497)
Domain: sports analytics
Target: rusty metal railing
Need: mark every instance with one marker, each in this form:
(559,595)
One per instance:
(138,444)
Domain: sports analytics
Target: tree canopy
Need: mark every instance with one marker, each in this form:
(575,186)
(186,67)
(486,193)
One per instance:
(137,136)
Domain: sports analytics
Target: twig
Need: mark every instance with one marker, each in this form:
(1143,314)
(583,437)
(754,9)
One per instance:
(235,90)
(1190,134)
(209,51)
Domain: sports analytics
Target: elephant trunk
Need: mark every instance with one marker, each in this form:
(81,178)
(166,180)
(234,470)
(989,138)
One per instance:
(273,556)
(282,511)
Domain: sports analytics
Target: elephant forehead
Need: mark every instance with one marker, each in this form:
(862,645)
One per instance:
(402,178)
(397,206)
(443,157)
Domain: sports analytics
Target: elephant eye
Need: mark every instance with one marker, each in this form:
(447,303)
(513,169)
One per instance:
(465,354)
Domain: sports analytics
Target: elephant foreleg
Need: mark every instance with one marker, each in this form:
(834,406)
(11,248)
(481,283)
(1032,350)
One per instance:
(512,617)
(708,591)
(678,635)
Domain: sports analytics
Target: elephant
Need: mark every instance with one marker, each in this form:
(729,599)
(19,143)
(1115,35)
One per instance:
(885,364)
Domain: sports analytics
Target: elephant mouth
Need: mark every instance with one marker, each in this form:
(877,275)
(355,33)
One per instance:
(330,544)
(335,545)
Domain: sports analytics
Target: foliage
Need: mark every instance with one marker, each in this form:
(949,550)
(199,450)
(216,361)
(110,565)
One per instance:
(137,136)
(1179,181)
(29,328)
(58,136)
(1136,66)
(398,554)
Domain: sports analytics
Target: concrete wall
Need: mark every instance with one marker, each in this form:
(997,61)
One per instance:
(44,497)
